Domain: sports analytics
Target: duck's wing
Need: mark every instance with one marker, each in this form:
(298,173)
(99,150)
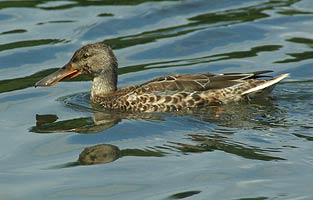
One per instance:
(256,74)
(195,82)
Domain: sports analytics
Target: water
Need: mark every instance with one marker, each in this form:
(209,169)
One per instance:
(258,150)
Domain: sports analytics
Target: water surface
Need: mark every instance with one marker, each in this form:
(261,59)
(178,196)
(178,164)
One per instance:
(50,137)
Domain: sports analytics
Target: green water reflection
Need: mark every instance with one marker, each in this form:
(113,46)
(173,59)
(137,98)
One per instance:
(221,143)
(29,81)
(67,5)
(251,150)
(224,18)
(28,43)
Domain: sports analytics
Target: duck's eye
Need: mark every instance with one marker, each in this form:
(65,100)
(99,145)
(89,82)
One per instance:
(86,55)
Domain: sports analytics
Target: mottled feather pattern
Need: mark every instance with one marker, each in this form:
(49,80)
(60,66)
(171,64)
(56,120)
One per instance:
(174,93)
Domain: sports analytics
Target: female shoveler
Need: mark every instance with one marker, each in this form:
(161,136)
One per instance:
(169,93)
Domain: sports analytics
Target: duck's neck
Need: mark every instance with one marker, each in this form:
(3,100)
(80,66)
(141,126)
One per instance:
(103,85)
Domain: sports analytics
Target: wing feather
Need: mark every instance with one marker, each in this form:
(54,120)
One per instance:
(195,82)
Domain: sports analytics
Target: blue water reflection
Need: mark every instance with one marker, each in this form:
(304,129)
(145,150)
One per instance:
(54,145)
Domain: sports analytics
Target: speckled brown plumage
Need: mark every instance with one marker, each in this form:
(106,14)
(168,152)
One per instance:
(163,94)
(174,93)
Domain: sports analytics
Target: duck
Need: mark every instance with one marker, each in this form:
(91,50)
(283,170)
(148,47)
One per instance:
(163,94)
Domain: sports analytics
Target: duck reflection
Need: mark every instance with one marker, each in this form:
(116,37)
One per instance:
(227,120)
(99,121)
(48,124)
(102,153)
(107,153)
(207,143)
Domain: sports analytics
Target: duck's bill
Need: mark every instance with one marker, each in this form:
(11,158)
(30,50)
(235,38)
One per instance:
(66,72)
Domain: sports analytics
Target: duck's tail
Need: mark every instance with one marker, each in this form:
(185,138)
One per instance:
(266,86)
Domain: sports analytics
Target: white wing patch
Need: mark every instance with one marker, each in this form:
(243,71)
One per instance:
(266,84)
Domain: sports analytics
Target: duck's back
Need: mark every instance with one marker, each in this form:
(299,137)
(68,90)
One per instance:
(178,92)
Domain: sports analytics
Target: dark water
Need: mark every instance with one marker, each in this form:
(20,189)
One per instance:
(261,150)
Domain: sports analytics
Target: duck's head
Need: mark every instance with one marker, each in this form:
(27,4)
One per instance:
(96,60)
